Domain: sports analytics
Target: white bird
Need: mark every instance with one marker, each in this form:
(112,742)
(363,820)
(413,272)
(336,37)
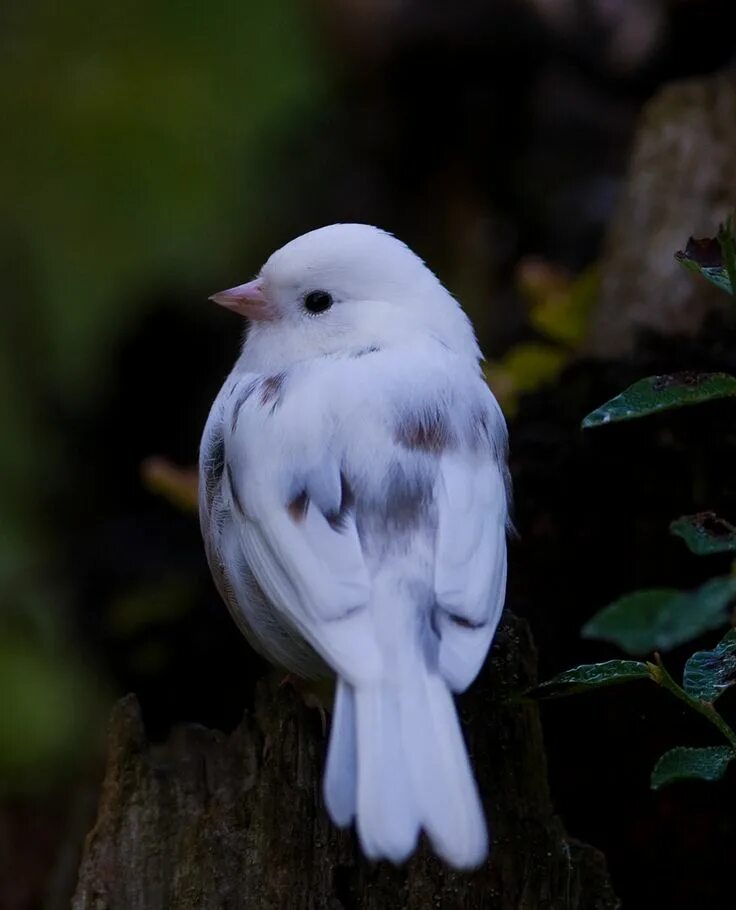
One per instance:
(353,504)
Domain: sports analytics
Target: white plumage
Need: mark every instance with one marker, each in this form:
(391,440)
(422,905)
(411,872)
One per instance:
(353,505)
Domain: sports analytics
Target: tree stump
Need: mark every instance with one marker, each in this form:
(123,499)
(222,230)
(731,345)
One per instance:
(209,820)
(681,181)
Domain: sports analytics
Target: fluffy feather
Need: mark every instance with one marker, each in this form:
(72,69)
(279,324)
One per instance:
(353,504)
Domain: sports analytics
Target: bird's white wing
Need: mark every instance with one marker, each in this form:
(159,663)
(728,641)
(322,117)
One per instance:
(324,599)
(470,562)
(296,525)
(220,518)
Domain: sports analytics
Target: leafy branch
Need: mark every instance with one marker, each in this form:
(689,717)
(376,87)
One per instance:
(656,620)
(716,673)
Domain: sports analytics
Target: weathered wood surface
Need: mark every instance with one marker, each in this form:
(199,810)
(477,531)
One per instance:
(214,821)
(681,181)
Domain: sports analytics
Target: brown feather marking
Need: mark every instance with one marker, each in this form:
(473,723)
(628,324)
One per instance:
(298,506)
(427,432)
(271,390)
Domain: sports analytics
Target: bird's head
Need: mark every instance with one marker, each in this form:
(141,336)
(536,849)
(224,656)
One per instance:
(340,288)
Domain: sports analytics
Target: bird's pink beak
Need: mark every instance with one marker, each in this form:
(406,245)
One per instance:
(247,299)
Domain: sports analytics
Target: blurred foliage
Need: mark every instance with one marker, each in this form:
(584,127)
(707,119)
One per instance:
(560,307)
(178,485)
(136,140)
(662,619)
(162,602)
(49,716)
(165,111)
(527,366)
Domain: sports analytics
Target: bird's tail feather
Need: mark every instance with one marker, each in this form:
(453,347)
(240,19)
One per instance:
(450,808)
(387,814)
(397,761)
(340,783)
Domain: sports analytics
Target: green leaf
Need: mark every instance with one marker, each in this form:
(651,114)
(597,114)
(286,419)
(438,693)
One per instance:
(591,676)
(713,258)
(708,674)
(683,763)
(662,393)
(705,533)
(727,240)
(660,619)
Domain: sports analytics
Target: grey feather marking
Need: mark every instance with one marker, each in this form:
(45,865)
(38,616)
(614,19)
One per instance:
(338,520)
(465,623)
(406,503)
(429,637)
(408,497)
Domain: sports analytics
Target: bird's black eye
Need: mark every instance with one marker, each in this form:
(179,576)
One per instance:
(317,301)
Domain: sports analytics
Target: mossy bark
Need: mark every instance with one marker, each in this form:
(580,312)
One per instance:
(209,820)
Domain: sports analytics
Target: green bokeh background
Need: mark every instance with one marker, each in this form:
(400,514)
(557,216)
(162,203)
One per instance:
(133,163)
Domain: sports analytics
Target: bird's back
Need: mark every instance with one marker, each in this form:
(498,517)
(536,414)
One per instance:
(354,509)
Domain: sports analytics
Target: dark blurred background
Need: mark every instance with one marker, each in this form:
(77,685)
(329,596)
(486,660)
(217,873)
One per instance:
(154,152)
